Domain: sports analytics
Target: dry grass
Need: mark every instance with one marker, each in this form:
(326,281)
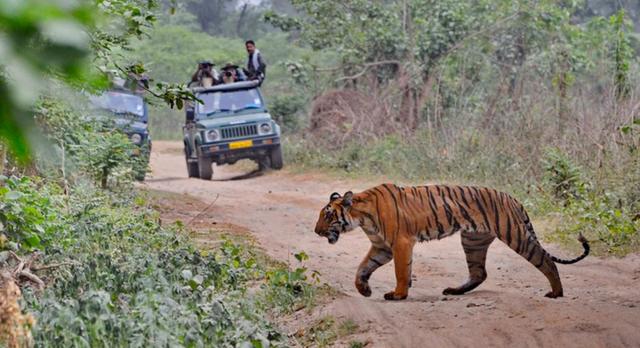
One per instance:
(15,327)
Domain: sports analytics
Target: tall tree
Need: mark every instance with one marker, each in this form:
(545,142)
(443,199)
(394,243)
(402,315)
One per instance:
(212,15)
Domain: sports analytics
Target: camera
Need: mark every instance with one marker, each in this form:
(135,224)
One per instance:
(228,73)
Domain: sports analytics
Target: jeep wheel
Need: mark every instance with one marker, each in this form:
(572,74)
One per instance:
(263,163)
(205,171)
(192,169)
(276,158)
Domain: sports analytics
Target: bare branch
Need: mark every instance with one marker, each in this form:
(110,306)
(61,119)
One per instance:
(203,211)
(55,265)
(366,67)
(32,277)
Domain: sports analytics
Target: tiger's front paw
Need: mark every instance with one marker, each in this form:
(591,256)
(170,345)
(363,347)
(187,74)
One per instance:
(363,289)
(392,296)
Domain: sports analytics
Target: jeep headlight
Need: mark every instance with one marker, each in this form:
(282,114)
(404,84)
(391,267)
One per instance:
(265,128)
(136,138)
(212,135)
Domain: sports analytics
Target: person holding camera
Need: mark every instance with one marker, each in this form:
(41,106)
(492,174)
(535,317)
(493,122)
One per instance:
(205,75)
(232,73)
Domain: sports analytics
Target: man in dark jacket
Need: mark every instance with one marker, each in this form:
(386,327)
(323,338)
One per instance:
(256,67)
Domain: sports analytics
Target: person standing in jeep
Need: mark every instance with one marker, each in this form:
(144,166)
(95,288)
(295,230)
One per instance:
(256,67)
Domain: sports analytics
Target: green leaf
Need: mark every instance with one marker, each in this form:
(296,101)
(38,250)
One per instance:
(13,195)
(301,256)
(33,240)
(198,279)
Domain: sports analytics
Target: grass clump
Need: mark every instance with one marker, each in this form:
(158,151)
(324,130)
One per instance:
(327,330)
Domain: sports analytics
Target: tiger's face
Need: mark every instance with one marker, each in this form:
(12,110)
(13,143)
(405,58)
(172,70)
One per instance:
(335,218)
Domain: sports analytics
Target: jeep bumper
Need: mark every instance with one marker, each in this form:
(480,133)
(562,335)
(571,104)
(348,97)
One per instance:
(232,151)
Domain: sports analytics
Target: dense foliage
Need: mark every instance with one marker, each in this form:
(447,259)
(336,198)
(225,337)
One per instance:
(52,44)
(116,277)
(102,271)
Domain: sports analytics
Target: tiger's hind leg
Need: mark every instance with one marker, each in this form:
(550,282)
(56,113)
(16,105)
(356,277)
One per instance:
(549,269)
(535,254)
(475,247)
(528,246)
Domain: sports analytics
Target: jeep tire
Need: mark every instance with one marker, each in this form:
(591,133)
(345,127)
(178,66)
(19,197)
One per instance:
(275,157)
(192,168)
(205,171)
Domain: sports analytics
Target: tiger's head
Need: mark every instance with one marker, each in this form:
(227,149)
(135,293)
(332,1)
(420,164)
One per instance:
(335,217)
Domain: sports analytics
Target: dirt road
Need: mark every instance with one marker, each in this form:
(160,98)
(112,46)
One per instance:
(601,307)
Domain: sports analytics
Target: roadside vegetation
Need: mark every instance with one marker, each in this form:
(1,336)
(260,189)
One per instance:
(106,273)
(84,258)
(97,268)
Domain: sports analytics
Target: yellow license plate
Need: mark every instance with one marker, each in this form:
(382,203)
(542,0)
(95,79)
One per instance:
(241,144)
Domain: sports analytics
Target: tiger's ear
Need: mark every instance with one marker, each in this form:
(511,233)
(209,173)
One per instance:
(334,196)
(347,200)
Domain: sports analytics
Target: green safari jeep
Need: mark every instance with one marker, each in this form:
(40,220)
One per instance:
(229,123)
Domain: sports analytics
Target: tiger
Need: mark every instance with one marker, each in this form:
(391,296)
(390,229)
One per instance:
(394,218)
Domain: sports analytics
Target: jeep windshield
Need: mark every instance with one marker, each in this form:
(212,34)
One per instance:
(121,103)
(223,103)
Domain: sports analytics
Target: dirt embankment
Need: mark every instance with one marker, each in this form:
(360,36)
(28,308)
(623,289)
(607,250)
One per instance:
(601,307)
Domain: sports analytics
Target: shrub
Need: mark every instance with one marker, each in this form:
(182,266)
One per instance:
(563,176)
(290,289)
(28,217)
(286,110)
(124,280)
(613,227)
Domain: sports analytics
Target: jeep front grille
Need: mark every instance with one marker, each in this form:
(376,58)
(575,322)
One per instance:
(239,131)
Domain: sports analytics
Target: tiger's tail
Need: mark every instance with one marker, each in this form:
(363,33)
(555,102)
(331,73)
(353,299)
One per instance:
(581,239)
(585,245)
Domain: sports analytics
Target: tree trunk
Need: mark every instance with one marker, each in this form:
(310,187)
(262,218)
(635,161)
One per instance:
(103,179)
(494,101)
(563,86)
(563,82)
(3,157)
(241,18)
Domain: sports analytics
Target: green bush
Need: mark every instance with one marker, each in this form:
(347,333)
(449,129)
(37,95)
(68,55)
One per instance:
(96,147)
(290,289)
(108,155)
(603,211)
(116,277)
(124,280)
(611,227)
(28,216)
(287,111)
(563,176)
